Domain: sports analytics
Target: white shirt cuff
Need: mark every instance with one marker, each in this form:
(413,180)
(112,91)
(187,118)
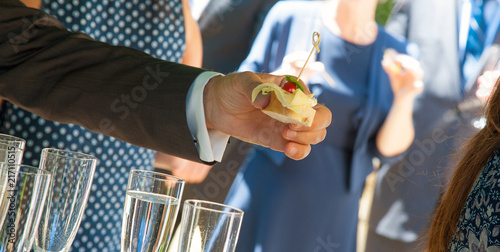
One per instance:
(210,144)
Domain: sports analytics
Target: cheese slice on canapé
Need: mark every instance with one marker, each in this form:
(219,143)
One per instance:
(287,107)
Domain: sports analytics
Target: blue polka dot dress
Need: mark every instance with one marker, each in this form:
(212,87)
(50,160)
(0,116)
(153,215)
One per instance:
(153,26)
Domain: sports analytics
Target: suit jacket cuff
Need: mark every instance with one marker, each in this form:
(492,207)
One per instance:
(209,143)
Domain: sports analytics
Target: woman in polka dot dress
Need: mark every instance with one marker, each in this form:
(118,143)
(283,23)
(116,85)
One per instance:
(157,27)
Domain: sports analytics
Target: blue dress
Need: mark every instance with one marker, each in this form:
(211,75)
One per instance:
(155,27)
(312,204)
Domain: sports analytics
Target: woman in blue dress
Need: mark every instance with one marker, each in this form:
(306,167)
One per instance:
(158,28)
(312,204)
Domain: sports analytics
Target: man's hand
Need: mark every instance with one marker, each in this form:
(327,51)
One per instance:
(228,108)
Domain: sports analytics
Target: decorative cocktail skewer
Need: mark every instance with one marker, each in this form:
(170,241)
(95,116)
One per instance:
(293,83)
(316,41)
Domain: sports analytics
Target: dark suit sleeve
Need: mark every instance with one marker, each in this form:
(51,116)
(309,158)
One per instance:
(70,78)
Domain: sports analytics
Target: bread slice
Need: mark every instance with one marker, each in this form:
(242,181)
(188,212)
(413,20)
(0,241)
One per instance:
(281,113)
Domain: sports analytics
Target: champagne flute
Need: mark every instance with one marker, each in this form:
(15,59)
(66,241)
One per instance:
(11,152)
(209,227)
(26,192)
(151,206)
(61,217)
(11,149)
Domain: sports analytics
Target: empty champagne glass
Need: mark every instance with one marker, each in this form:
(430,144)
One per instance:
(26,190)
(11,148)
(209,227)
(151,206)
(11,152)
(73,173)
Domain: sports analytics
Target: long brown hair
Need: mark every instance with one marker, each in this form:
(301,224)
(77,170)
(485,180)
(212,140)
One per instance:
(477,151)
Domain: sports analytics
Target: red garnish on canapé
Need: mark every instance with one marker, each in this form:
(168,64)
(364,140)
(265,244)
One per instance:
(290,87)
(292,84)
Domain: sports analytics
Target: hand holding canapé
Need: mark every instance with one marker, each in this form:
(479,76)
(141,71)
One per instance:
(229,109)
(289,103)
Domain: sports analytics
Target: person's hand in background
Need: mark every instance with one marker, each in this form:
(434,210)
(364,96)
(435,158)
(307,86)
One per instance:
(486,83)
(294,62)
(405,75)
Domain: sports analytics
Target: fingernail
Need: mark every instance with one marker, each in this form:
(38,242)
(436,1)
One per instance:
(292,151)
(295,126)
(291,133)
